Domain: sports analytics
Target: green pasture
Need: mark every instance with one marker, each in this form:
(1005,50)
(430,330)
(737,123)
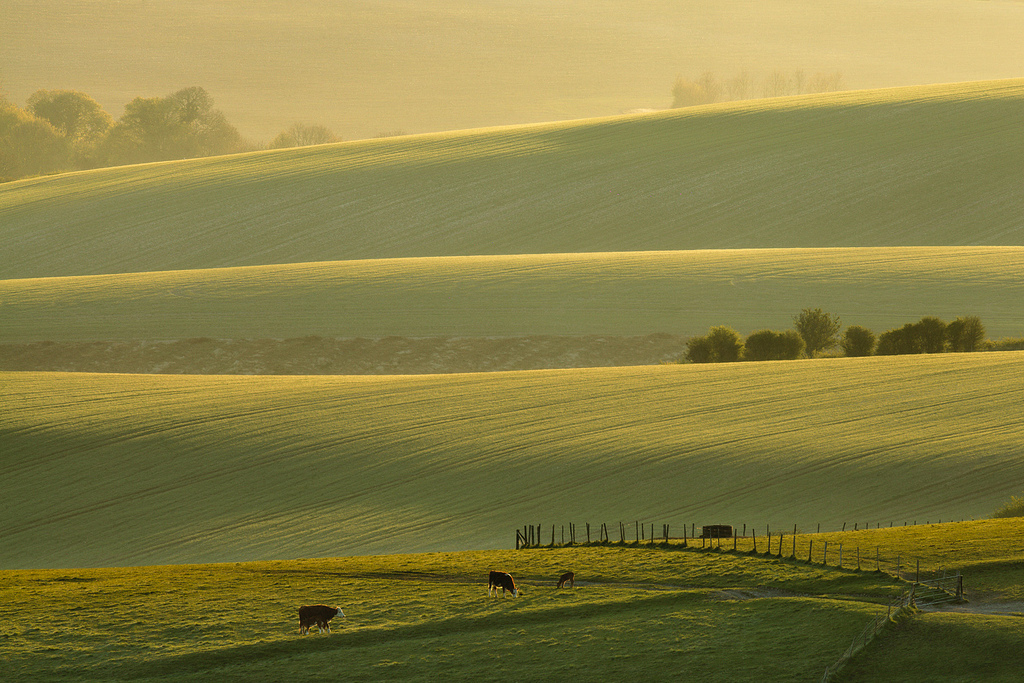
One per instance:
(371,66)
(149,469)
(945,648)
(653,613)
(626,293)
(918,166)
(656,614)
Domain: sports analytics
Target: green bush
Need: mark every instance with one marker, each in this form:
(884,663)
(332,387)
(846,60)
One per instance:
(932,334)
(769,345)
(965,334)
(720,345)
(858,341)
(1005,344)
(1013,508)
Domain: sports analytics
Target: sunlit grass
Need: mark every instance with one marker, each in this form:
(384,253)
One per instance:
(200,468)
(634,612)
(624,293)
(919,166)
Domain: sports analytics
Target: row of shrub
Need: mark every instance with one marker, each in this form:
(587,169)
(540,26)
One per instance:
(817,332)
(67,130)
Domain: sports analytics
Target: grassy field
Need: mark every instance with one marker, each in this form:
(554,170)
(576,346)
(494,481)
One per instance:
(367,66)
(920,166)
(144,469)
(656,614)
(649,613)
(565,294)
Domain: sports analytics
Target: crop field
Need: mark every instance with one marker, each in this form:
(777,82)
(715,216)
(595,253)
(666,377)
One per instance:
(369,66)
(918,166)
(630,293)
(660,614)
(512,185)
(204,468)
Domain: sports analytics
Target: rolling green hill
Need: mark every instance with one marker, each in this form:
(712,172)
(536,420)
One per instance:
(139,469)
(631,293)
(920,166)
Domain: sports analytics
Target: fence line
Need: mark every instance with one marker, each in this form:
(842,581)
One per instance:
(932,592)
(782,544)
(933,589)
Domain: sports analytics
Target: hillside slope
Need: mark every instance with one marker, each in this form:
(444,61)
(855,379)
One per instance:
(930,165)
(140,469)
(633,293)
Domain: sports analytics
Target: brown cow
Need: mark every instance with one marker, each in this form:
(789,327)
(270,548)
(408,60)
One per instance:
(568,577)
(503,581)
(317,615)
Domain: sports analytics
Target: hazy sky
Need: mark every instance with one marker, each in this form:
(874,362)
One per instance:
(363,67)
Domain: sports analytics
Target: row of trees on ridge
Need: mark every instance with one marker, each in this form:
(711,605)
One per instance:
(66,130)
(708,88)
(816,332)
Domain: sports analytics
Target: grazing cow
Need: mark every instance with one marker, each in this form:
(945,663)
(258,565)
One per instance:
(317,615)
(504,582)
(568,577)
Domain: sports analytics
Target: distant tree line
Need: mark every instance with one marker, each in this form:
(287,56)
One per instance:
(67,130)
(816,332)
(708,88)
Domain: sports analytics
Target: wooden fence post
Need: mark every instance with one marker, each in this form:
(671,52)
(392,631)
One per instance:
(781,536)
(552,535)
(794,543)
(734,539)
(753,535)
(637,532)
(622,533)
(810,547)
(684,536)
(588,532)
(917,578)
(858,558)
(824,558)
(563,534)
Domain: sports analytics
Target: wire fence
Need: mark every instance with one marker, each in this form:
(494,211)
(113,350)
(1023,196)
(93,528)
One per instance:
(791,544)
(949,588)
(928,586)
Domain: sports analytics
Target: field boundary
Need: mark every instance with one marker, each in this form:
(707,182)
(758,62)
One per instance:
(926,593)
(939,585)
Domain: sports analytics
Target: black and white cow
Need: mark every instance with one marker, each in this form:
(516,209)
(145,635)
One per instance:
(317,615)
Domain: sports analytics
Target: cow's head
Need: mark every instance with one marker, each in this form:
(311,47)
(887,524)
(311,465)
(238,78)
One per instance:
(339,613)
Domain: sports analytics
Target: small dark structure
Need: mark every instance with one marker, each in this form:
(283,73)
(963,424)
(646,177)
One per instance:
(717,531)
